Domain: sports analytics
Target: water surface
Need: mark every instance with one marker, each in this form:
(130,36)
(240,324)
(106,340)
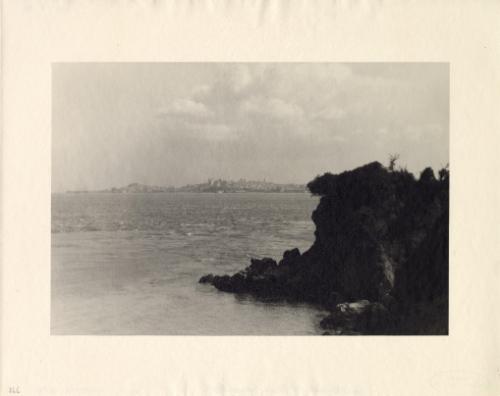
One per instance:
(130,263)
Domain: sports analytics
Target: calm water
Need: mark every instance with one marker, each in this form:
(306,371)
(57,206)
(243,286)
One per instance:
(130,263)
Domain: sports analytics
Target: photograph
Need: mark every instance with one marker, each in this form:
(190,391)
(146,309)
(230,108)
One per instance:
(219,199)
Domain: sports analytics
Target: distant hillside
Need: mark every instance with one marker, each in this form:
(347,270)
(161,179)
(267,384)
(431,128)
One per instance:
(242,185)
(141,188)
(211,186)
(129,189)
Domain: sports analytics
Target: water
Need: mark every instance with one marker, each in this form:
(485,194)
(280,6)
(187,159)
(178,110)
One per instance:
(130,263)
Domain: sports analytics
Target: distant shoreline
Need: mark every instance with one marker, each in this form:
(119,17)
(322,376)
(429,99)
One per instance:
(214,186)
(178,192)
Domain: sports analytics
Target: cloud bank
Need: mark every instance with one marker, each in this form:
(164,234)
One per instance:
(183,123)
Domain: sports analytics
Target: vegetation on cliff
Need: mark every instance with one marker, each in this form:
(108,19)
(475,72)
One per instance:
(379,262)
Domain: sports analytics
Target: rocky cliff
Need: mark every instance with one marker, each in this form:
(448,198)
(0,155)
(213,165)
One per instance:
(379,262)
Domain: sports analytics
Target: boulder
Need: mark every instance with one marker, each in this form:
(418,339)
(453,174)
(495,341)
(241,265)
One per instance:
(207,279)
(260,266)
(224,283)
(363,317)
(262,278)
(290,258)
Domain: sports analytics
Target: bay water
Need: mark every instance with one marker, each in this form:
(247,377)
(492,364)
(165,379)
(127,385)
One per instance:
(130,263)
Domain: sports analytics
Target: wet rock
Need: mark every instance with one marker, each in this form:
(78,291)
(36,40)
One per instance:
(290,258)
(333,300)
(260,266)
(379,320)
(207,279)
(224,283)
(262,278)
(389,302)
(362,317)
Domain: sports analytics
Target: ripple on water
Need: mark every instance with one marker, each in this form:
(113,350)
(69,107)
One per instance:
(130,264)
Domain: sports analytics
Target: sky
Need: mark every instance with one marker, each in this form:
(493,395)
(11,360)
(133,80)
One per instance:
(182,123)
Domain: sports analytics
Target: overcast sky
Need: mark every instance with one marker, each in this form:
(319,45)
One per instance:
(180,123)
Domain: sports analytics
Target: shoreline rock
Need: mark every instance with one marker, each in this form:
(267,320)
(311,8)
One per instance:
(380,251)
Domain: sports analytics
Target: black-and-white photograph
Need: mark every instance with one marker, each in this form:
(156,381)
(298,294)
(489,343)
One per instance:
(250,199)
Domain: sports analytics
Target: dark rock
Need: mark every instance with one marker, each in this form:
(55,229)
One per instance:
(290,258)
(360,317)
(379,320)
(259,266)
(389,302)
(223,283)
(351,315)
(381,240)
(206,279)
(333,300)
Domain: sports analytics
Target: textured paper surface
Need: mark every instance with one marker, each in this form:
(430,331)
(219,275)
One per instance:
(37,33)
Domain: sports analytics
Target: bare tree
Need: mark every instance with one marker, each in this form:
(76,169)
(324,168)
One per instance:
(392,161)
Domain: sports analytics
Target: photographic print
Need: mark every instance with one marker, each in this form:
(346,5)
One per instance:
(250,199)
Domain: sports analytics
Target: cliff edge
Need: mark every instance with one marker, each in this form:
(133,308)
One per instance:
(379,261)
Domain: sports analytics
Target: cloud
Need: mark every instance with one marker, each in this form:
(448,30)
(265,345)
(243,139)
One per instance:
(186,107)
(272,107)
(330,113)
(239,78)
(214,132)
(309,101)
(201,91)
(424,132)
(190,129)
(282,120)
(277,91)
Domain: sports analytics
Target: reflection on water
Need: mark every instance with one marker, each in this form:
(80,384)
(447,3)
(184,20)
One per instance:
(129,263)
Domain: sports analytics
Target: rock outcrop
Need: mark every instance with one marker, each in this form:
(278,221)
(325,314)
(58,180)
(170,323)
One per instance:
(379,262)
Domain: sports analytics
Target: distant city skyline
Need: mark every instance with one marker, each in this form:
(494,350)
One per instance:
(175,124)
(211,185)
